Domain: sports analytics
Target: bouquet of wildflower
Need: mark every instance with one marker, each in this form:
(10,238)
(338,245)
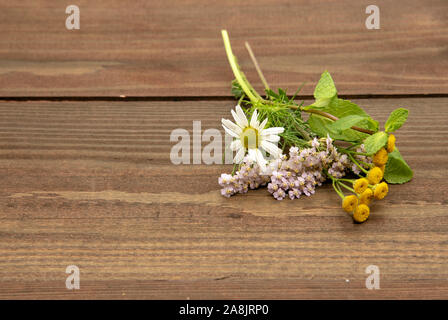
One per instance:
(339,143)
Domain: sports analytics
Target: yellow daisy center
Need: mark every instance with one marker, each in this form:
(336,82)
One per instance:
(250,138)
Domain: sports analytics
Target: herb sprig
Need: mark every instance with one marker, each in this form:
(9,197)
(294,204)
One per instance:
(329,116)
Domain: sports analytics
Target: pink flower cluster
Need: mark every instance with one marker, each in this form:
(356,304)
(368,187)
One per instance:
(248,177)
(292,176)
(303,171)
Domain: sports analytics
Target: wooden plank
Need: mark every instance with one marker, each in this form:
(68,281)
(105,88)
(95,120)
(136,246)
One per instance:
(174,48)
(91,184)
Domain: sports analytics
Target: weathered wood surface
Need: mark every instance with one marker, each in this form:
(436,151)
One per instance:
(174,48)
(91,184)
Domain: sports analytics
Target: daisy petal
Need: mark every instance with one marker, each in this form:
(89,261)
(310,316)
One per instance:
(260,159)
(254,120)
(230,132)
(253,155)
(235,145)
(237,119)
(239,156)
(271,148)
(262,125)
(273,130)
(242,116)
(272,138)
(230,125)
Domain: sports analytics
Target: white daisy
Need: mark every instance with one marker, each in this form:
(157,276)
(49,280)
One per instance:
(251,137)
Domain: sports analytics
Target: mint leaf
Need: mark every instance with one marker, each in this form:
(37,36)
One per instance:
(322,126)
(325,88)
(347,122)
(396,119)
(340,108)
(327,101)
(397,170)
(375,142)
(345,108)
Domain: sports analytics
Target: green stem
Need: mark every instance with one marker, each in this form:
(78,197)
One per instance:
(354,145)
(248,90)
(370,165)
(339,188)
(335,185)
(241,99)
(338,191)
(346,187)
(347,180)
(356,162)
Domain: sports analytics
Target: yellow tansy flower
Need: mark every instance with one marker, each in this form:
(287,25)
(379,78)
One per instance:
(381,190)
(383,168)
(360,185)
(349,203)
(375,175)
(390,143)
(366,197)
(361,213)
(380,157)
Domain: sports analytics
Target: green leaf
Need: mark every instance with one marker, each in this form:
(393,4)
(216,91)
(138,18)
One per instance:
(375,142)
(396,119)
(397,170)
(237,91)
(341,109)
(327,101)
(325,88)
(322,126)
(347,122)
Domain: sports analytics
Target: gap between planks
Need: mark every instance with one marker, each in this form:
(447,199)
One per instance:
(211,98)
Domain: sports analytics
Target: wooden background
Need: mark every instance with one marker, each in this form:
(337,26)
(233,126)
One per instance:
(86,177)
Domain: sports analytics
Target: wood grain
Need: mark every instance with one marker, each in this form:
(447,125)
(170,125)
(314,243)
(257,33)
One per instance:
(91,184)
(174,47)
